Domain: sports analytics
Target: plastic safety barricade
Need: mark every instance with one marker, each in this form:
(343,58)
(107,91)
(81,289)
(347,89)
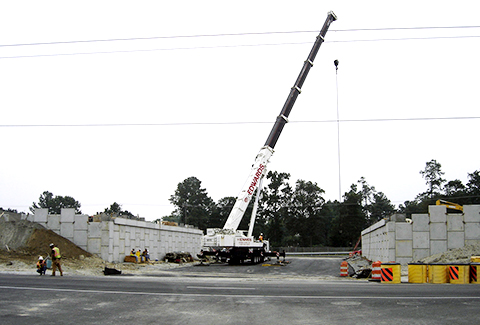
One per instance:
(417,273)
(459,273)
(391,273)
(474,272)
(438,273)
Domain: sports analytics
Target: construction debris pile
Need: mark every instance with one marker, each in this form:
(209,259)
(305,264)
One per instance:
(178,257)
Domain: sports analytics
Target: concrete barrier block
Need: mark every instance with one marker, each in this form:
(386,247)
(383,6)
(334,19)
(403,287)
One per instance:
(420,222)
(53,223)
(438,246)
(419,253)
(472,231)
(438,230)
(455,222)
(80,238)
(95,230)
(421,240)
(81,222)
(403,231)
(94,246)
(471,213)
(438,213)
(120,221)
(67,215)
(66,230)
(41,215)
(456,239)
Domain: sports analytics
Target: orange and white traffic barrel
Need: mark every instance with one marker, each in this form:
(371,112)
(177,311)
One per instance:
(377,271)
(344,268)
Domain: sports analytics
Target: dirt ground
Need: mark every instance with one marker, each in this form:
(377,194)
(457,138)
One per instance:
(22,242)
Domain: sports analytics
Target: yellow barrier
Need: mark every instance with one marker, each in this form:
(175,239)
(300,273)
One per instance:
(474,267)
(391,273)
(417,273)
(438,273)
(459,273)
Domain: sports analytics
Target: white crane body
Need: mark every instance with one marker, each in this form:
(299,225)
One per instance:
(229,243)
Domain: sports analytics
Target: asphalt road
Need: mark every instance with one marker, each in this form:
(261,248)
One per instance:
(232,298)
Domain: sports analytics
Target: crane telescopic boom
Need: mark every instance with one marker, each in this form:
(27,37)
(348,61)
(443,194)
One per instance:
(258,170)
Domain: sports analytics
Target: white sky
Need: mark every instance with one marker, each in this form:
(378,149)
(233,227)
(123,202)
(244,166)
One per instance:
(188,97)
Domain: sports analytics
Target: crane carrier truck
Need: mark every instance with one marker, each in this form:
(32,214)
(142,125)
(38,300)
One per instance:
(230,244)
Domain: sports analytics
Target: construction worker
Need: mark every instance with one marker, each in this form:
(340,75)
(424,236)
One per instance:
(260,238)
(56,259)
(41,266)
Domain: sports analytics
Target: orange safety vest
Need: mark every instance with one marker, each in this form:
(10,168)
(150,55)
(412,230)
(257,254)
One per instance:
(56,253)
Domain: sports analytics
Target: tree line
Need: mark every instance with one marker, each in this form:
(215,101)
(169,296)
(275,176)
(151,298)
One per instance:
(300,216)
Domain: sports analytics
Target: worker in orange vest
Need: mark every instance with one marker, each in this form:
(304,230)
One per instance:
(41,265)
(56,259)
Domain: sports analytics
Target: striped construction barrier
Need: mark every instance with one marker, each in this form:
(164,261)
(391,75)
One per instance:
(391,273)
(377,271)
(474,268)
(459,273)
(344,268)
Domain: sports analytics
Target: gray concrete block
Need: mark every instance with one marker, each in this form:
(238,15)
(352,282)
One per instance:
(438,213)
(53,223)
(421,239)
(438,246)
(438,230)
(94,246)
(81,222)
(41,215)
(67,215)
(403,231)
(471,213)
(456,239)
(80,238)
(404,248)
(419,253)
(66,230)
(472,231)
(420,222)
(95,229)
(455,222)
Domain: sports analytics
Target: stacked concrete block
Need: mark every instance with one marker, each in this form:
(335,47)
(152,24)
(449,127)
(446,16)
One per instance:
(472,224)
(420,236)
(438,229)
(67,218)
(80,231)
(403,242)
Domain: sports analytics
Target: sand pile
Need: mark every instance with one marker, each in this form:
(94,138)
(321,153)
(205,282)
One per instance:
(458,255)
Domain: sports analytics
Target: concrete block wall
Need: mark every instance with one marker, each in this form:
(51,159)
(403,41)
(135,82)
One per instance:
(113,240)
(427,234)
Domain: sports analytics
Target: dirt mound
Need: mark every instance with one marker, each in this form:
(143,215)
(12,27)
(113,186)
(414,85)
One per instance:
(459,255)
(32,239)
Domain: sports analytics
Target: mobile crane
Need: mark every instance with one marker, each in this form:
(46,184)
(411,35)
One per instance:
(230,244)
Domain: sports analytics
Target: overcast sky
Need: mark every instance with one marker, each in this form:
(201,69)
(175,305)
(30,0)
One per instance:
(119,101)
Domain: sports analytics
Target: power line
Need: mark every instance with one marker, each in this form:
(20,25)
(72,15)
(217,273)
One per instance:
(231,34)
(239,45)
(240,123)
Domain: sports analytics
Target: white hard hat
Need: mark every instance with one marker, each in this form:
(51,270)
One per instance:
(40,258)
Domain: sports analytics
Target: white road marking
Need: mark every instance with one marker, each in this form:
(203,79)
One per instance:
(220,288)
(242,296)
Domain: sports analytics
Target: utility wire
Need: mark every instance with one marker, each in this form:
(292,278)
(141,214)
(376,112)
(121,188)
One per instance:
(234,46)
(240,123)
(232,34)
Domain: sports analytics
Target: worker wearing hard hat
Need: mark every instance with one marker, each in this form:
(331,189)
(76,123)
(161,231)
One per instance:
(56,259)
(41,266)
